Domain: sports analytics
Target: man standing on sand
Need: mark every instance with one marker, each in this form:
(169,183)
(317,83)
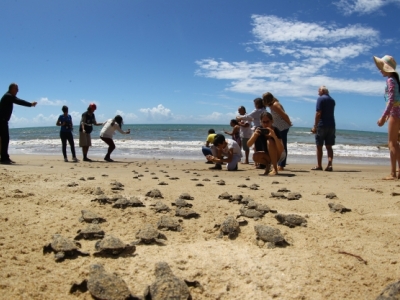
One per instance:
(6,108)
(324,127)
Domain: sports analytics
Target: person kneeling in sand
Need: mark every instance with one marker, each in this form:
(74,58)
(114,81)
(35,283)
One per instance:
(268,145)
(225,148)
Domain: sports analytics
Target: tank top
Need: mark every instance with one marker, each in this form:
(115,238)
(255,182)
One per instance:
(279,123)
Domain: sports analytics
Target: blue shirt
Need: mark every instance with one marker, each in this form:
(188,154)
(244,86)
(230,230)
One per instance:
(68,120)
(326,105)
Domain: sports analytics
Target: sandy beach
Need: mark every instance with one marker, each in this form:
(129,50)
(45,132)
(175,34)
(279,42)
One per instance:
(337,256)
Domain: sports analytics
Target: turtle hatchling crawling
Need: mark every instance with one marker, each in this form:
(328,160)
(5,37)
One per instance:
(148,235)
(186,196)
(230,227)
(338,208)
(104,285)
(181,203)
(186,213)
(155,193)
(124,203)
(167,285)
(271,236)
(111,245)
(390,292)
(91,232)
(225,196)
(160,207)
(291,220)
(251,213)
(63,247)
(168,223)
(91,217)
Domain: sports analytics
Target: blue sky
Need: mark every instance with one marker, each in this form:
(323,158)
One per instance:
(180,61)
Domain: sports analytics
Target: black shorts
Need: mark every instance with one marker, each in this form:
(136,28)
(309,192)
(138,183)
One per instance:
(325,135)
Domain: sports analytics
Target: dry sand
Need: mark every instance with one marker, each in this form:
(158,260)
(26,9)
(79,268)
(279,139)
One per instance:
(35,203)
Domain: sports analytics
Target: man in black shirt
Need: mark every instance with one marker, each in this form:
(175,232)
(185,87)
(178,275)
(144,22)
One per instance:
(6,107)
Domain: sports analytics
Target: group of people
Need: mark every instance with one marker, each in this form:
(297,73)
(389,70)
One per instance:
(88,120)
(268,135)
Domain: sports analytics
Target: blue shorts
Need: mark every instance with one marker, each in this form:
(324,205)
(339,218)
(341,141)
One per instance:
(325,135)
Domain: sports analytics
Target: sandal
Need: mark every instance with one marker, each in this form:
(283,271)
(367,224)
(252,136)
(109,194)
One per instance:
(329,169)
(316,169)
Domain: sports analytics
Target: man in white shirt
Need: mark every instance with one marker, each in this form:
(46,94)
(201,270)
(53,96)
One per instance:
(225,148)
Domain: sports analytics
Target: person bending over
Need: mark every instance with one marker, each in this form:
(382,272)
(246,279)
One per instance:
(225,148)
(107,132)
(210,139)
(268,144)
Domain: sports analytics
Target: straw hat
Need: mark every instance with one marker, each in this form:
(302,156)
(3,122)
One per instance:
(386,63)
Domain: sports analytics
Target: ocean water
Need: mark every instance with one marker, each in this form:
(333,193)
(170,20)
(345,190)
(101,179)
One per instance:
(185,141)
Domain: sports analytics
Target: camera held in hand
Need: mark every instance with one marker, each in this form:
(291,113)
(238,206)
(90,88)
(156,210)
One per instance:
(264,131)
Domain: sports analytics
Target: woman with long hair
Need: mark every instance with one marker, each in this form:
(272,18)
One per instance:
(387,66)
(281,121)
(107,132)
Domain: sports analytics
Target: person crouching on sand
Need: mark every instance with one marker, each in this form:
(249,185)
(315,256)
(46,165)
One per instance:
(268,143)
(221,148)
(210,139)
(107,132)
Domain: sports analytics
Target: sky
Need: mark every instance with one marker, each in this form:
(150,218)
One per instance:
(196,62)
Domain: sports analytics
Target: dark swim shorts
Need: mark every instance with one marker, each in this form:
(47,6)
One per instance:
(325,135)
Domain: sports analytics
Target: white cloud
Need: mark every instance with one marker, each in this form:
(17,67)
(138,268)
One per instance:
(41,119)
(128,117)
(158,113)
(299,58)
(349,7)
(46,101)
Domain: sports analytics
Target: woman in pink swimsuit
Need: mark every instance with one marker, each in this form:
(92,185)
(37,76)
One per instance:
(387,66)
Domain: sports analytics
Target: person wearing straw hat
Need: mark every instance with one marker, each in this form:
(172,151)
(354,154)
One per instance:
(387,66)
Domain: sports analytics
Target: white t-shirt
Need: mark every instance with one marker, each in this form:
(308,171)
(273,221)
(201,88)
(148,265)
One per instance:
(246,132)
(231,144)
(255,114)
(108,130)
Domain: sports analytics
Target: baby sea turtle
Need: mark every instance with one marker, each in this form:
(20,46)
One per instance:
(186,213)
(331,196)
(148,235)
(154,193)
(236,198)
(91,217)
(338,208)
(160,207)
(72,184)
(199,184)
(91,232)
(293,196)
(167,285)
(230,227)
(390,292)
(124,203)
(221,182)
(102,199)
(271,236)
(181,203)
(225,196)
(278,195)
(250,213)
(104,285)
(163,183)
(291,220)
(283,190)
(168,223)
(254,187)
(206,179)
(242,186)
(111,245)
(63,247)
(98,191)
(246,200)
(186,196)
(262,208)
